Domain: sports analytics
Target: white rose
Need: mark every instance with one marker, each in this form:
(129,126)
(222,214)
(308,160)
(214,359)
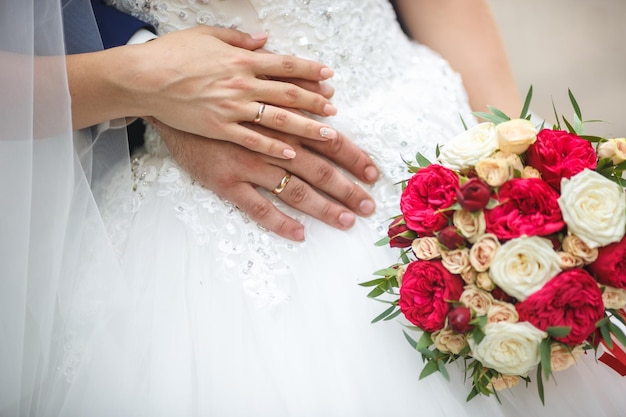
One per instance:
(509,348)
(469,147)
(615,149)
(594,208)
(614,298)
(516,135)
(471,225)
(521,266)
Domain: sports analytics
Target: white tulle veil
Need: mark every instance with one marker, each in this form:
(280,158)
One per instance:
(49,216)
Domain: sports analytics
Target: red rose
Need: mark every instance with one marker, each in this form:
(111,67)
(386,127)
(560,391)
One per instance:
(570,299)
(610,267)
(528,207)
(473,195)
(427,287)
(399,235)
(427,192)
(459,319)
(451,238)
(558,154)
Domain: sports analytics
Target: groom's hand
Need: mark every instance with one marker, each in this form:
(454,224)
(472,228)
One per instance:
(316,186)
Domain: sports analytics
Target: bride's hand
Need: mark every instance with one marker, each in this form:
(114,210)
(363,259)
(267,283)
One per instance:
(234,173)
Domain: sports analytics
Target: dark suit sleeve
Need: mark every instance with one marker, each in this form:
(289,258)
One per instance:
(115,27)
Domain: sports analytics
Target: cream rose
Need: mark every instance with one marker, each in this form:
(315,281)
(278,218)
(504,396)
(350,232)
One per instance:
(562,357)
(494,171)
(400,274)
(426,248)
(484,281)
(503,382)
(502,312)
(614,298)
(530,172)
(569,261)
(574,245)
(521,266)
(471,225)
(512,160)
(446,340)
(469,276)
(476,299)
(593,208)
(509,348)
(614,149)
(469,147)
(516,135)
(483,251)
(456,261)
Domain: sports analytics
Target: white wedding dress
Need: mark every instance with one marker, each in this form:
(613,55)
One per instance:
(218,317)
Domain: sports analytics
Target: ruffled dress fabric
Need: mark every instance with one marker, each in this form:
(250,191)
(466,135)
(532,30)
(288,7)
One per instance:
(218,317)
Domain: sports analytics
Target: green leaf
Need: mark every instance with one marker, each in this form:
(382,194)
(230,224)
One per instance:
(387,272)
(545,351)
(442,368)
(618,333)
(372,282)
(384,314)
(499,113)
(540,385)
(421,160)
(490,117)
(606,336)
(570,129)
(591,138)
(425,341)
(463,122)
(376,292)
(557,331)
(556,117)
(409,339)
(574,104)
(430,368)
(393,316)
(383,242)
(473,393)
(527,101)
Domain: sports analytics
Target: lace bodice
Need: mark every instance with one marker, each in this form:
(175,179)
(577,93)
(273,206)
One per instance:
(395,98)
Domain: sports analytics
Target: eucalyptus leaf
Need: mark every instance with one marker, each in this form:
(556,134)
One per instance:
(558,331)
(570,128)
(372,282)
(393,316)
(425,341)
(499,113)
(421,160)
(429,369)
(442,369)
(574,104)
(545,353)
(540,385)
(376,292)
(618,333)
(409,339)
(384,314)
(529,96)
(383,242)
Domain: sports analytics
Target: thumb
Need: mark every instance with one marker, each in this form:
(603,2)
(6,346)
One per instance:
(240,39)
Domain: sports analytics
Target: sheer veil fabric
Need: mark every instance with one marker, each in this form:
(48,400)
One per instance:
(49,217)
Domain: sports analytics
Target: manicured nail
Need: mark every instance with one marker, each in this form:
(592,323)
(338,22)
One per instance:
(371,173)
(329,110)
(327,90)
(289,153)
(326,73)
(346,219)
(366,207)
(328,133)
(298,235)
(259,36)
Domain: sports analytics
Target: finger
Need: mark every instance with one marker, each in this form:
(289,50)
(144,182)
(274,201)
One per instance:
(290,122)
(301,196)
(286,94)
(322,88)
(287,66)
(262,211)
(235,37)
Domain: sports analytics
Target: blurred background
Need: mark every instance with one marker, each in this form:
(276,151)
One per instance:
(577,44)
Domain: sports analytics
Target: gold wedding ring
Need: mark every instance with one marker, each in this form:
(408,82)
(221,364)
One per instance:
(259,114)
(283,183)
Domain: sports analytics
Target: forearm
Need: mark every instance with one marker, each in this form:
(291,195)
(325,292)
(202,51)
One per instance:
(465,33)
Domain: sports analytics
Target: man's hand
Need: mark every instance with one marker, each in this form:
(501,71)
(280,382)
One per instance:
(316,186)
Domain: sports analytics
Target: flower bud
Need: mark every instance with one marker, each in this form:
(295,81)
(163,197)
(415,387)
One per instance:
(473,195)
(399,234)
(450,238)
(459,318)
(615,149)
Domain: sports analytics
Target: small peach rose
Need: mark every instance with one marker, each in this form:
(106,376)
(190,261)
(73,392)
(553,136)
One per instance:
(516,135)
(478,300)
(615,149)
(503,382)
(469,276)
(494,171)
(574,245)
(512,160)
(471,225)
(530,172)
(400,273)
(446,340)
(614,298)
(483,251)
(501,311)
(426,248)
(456,261)
(484,281)
(569,261)
(562,357)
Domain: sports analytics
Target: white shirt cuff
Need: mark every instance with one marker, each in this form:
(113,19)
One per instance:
(141,36)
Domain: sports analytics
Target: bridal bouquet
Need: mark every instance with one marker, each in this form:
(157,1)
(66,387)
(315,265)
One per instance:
(513,255)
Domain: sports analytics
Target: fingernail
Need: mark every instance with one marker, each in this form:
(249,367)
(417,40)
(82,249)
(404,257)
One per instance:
(326,73)
(329,110)
(289,153)
(371,173)
(298,235)
(346,219)
(258,36)
(367,207)
(326,90)
(328,133)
